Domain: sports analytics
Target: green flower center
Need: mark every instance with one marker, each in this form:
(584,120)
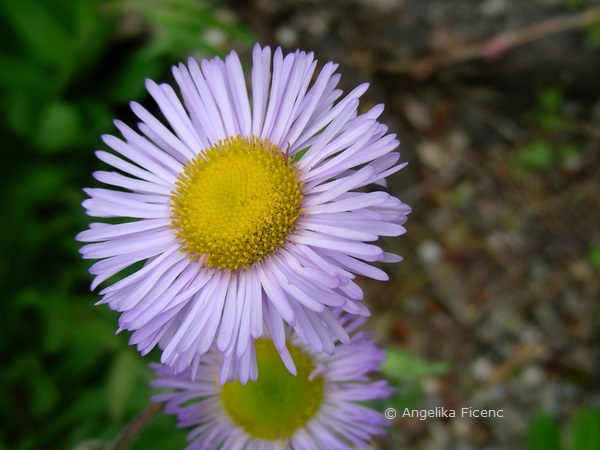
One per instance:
(277,403)
(236,202)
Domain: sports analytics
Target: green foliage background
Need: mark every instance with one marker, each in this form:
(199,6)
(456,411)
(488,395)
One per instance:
(67,68)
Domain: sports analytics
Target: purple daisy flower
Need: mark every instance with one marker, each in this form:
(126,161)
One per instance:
(243,210)
(318,408)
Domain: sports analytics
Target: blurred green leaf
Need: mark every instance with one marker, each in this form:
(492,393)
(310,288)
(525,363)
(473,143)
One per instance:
(594,258)
(24,74)
(404,372)
(92,28)
(543,433)
(574,4)
(547,113)
(60,126)
(402,365)
(39,391)
(550,121)
(551,99)
(585,430)
(129,80)
(162,429)
(37,184)
(123,377)
(96,115)
(21,111)
(408,394)
(592,38)
(536,155)
(183,25)
(40,30)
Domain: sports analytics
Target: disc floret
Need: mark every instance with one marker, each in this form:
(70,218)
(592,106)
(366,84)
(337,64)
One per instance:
(236,202)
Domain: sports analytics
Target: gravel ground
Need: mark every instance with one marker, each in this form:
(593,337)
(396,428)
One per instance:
(503,179)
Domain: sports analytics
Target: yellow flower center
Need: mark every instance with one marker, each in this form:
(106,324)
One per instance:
(236,202)
(278,403)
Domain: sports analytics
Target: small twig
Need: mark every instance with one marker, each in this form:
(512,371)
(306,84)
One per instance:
(136,426)
(494,47)
(587,129)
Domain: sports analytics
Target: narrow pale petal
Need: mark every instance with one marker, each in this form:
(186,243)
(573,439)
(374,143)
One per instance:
(341,421)
(179,299)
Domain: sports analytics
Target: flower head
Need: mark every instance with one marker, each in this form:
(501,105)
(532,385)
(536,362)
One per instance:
(243,210)
(318,408)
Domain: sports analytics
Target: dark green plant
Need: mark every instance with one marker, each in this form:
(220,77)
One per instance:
(581,433)
(67,68)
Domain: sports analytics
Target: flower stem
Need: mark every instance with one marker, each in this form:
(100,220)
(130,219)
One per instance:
(135,427)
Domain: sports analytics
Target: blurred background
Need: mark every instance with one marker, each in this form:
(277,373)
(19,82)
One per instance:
(497,105)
